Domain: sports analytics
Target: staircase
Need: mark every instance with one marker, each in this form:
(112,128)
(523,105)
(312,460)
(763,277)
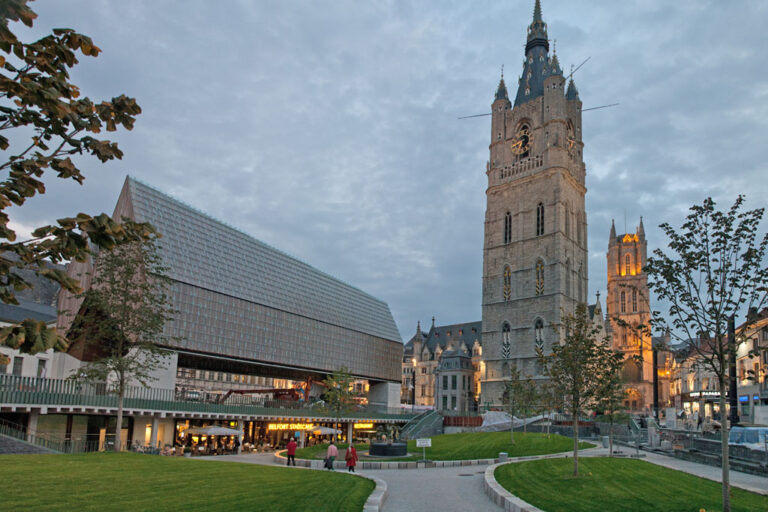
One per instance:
(640,433)
(11,445)
(427,424)
(14,440)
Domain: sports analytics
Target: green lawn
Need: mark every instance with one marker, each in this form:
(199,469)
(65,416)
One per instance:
(617,484)
(109,481)
(476,445)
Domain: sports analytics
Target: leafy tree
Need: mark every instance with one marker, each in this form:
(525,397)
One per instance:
(122,320)
(43,123)
(339,397)
(573,367)
(610,392)
(715,268)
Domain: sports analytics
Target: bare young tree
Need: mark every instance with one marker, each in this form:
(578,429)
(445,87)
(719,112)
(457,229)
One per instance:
(714,269)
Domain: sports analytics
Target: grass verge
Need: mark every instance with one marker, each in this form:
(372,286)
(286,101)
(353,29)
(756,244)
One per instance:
(109,481)
(617,484)
(466,446)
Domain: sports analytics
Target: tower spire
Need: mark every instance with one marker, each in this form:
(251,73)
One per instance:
(641,229)
(501,91)
(613,231)
(537,11)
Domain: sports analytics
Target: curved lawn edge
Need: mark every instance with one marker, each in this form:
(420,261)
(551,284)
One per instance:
(602,491)
(502,497)
(279,458)
(376,499)
(464,446)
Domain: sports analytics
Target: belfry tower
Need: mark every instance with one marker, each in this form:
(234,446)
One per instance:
(627,303)
(535,246)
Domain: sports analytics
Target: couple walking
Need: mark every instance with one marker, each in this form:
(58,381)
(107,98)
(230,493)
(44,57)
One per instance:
(350,456)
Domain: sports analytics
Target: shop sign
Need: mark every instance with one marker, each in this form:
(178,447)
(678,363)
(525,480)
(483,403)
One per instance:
(363,425)
(756,398)
(706,394)
(744,398)
(289,426)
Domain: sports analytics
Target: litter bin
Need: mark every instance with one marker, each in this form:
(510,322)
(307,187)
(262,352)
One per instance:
(605,442)
(503,456)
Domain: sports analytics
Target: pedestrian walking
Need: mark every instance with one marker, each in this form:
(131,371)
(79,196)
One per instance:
(351,457)
(333,452)
(291,452)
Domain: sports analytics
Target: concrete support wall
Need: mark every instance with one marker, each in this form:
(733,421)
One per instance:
(386,394)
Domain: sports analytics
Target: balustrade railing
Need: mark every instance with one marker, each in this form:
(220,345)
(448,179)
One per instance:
(56,392)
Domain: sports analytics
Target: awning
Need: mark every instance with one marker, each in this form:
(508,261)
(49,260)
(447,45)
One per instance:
(323,431)
(213,431)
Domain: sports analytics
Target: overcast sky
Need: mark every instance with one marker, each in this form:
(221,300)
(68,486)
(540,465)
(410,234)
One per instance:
(329,129)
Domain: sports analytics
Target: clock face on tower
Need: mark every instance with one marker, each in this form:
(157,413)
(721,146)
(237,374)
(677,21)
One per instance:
(521,143)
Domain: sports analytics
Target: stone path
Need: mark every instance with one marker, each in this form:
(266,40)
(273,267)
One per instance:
(445,489)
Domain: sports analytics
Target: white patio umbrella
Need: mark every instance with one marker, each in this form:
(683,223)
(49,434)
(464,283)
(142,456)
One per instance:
(213,431)
(323,431)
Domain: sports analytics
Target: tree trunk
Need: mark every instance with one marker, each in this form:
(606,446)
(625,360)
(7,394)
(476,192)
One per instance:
(724,452)
(512,427)
(575,444)
(119,425)
(610,437)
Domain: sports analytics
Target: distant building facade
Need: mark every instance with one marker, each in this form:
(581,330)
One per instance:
(445,351)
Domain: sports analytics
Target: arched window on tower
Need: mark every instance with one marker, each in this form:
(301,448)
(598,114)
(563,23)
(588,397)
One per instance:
(540,219)
(627,264)
(567,278)
(539,277)
(634,301)
(507,228)
(567,221)
(507,289)
(506,343)
(538,332)
(623,302)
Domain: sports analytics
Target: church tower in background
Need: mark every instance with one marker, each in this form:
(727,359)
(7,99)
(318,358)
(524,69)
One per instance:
(535,245)
(627,303)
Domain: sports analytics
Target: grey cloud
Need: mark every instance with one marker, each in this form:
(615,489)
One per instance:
(329,130)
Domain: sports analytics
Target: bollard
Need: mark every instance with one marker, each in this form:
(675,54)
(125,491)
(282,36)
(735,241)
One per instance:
(503,456)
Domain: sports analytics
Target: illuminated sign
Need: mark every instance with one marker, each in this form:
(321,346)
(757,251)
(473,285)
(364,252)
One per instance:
(289,426)
(744,398)
(756,398)
(706,394)
(363,425)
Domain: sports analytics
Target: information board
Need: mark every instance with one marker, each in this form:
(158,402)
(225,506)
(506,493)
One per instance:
(424,443)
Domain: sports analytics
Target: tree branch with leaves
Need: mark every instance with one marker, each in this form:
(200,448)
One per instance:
(714,269)
(44,124)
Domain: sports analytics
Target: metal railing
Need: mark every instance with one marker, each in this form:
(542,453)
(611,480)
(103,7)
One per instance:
(55,392)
